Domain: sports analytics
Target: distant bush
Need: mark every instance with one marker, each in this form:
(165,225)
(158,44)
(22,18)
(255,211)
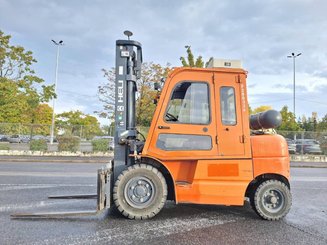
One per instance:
(323,147)
(68,143)
(38,145)
(4,147)
(100,145)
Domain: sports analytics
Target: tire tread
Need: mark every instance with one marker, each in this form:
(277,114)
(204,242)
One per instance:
(256,199)
(130,214)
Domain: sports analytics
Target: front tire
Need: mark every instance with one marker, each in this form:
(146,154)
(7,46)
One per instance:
(140,192)
(272,200)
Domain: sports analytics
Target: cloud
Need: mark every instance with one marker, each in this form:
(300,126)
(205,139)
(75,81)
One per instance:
(260,33)
(321,73)
(289,87)
(305,102)
(253,85)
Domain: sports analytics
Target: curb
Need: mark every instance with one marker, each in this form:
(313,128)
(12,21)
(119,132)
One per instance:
(54,161)
(73,159)
(312,165)
(106,159)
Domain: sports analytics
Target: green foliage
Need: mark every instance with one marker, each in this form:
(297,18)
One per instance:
(4,147)
(13,103)
(261,109)
(21,91)
(322,125)
(250,110)
(38,145)
(68,143)
(308,124)
(108,129)
(190,62)
(78,123)
(100,145)
(289,122)
(144,131)
(42,120)
(145,107)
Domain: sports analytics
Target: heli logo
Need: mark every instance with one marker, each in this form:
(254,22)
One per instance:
(120,91)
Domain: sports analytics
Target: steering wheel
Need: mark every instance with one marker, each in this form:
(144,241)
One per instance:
(171,117)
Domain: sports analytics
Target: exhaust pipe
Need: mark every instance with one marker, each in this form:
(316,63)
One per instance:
(265,120)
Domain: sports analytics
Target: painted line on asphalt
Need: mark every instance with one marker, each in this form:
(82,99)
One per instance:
(48,174)
(309,179)
(148,229)
(11,187)
(15,207)
(309,188)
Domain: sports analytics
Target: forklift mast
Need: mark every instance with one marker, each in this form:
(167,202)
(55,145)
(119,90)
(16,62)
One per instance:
(128,71)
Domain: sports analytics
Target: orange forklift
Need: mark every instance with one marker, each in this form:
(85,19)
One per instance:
(200,148)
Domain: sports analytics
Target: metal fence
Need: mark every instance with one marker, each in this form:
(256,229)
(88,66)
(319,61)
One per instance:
(307,142)
(32,130)
(301,143)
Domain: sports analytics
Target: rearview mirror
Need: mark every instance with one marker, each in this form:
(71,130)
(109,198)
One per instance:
(157,86)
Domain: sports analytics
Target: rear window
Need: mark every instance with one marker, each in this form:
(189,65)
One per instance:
(227,106)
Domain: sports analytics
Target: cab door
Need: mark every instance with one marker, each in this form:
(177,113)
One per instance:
(231,139)
(186,125)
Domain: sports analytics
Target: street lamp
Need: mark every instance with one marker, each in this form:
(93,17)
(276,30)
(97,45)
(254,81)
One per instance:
(58,44)
(293,55)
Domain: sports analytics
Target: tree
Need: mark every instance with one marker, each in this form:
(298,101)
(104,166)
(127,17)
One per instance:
(42,119)
(250,110)
(107,129)
(308,124)
(322,125)
(288,121)
(13,103)
(106,94)
(43,114)
(78,124)
(261,109)
(20,89)
(145,107)
(190,62)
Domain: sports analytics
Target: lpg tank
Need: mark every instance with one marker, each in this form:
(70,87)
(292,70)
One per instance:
(265,120)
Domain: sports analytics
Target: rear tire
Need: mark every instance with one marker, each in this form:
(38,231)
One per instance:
(140,192)
(271,200)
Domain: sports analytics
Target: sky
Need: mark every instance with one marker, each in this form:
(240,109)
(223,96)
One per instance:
(260,33)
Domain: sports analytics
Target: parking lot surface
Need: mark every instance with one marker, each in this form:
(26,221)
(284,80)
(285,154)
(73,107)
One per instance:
(24,187)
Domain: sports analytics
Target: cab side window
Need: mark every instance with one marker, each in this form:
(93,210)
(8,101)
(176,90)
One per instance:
(227,106)
(189,104)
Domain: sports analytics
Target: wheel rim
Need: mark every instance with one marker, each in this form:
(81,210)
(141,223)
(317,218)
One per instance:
(273,200)
(139,192)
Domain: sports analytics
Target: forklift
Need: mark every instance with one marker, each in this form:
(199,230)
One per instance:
(203,147)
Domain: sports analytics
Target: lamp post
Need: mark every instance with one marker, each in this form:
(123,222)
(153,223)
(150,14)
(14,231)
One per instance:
(58,44)
(293,56)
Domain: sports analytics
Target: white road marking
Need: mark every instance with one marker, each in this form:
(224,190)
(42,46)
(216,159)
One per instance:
(148,229)
(11,187)
(48,174)
(23,206)
(308,188)
(309,179)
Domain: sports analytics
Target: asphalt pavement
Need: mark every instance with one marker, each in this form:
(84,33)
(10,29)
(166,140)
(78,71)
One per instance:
(24,187)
